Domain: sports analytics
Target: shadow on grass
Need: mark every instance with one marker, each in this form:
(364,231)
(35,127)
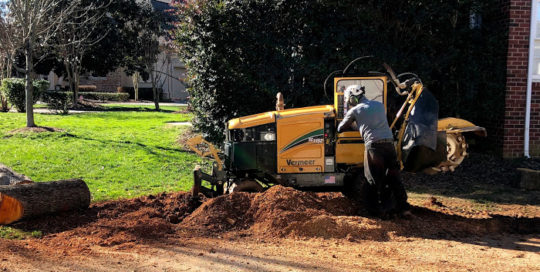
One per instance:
(147,148)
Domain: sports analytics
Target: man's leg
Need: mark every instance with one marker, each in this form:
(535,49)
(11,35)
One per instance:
(394,180)
(374,171)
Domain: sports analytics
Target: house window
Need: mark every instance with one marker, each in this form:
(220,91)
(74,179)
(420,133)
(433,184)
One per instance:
(97,78)
(536,32)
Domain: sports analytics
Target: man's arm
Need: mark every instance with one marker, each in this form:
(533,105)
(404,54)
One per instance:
(346,122)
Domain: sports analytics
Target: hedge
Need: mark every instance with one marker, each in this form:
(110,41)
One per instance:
(240,53)
(98,95)
(105,96)
(14,90)
(57,101)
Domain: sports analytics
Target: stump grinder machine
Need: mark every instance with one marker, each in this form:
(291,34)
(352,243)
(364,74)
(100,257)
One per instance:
(300,147)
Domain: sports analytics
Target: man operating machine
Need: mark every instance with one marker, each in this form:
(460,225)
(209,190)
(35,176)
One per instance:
(385,194)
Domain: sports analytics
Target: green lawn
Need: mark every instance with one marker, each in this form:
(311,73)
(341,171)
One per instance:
(119,154)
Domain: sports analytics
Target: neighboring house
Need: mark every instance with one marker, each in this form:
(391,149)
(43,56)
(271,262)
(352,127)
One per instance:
(519,131)
(171,69)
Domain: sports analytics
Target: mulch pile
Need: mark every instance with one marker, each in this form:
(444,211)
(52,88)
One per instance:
(277,212)
(129,222)
(280,212)
(286,212)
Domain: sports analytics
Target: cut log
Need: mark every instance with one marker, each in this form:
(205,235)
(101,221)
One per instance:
(24,201)
(10,177)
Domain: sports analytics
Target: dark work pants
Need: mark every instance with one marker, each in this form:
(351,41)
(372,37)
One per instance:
(382,171)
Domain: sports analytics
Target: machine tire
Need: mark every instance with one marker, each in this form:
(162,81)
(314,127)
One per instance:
(220,189)
(355,187)
(250,186)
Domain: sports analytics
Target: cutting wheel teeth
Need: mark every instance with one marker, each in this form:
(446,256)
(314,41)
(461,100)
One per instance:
(452,168)
(464,153)
(463,145)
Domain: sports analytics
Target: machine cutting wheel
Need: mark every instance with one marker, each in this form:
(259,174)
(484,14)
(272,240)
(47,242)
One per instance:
(456,150)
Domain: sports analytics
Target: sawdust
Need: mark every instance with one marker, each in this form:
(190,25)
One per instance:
(125,222)
(286,212)
(286,216)
(279,212)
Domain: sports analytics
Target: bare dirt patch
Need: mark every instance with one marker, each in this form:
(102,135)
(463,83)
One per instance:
(125,222)
(279,212)
(246,232)
(28,130)
(467,223)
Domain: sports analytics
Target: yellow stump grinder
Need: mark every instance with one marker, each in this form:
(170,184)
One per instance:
(300,147)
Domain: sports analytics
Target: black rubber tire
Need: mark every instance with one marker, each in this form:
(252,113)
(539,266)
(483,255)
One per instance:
(220,189)
(355,187)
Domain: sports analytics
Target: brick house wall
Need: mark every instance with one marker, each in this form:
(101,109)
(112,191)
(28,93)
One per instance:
(105,84)
(519,16)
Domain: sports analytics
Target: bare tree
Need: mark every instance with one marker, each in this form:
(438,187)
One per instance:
(7,51)
(80,32)
(135,78)
(8,35)
(152,52)
(36,22)
(148,32)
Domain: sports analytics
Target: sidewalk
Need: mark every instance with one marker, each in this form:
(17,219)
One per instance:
(147,103)
(167,104)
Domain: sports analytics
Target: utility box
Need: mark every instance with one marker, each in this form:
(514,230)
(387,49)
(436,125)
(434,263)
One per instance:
(530,179)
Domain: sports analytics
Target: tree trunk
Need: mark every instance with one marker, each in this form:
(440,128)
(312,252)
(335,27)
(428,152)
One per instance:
(76,79)
(71,79)
(154,91)
(9,67)
(3,68)
(28,90)
(135,79)
(26,201)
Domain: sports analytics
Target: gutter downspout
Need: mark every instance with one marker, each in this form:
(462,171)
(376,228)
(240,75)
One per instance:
(529,79)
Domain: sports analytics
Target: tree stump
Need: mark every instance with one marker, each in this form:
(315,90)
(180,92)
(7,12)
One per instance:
(23,201)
